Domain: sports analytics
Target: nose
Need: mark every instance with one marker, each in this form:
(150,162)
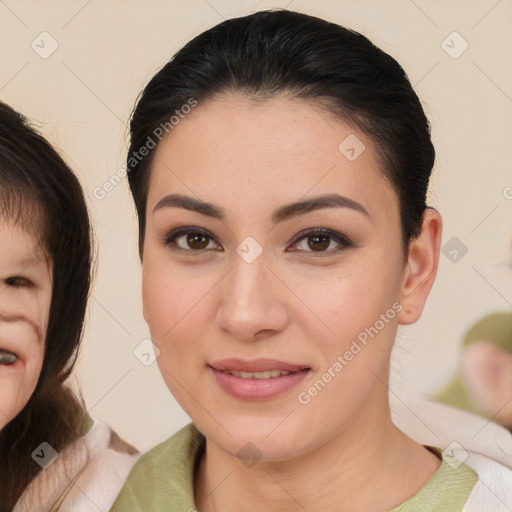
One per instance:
(252,306)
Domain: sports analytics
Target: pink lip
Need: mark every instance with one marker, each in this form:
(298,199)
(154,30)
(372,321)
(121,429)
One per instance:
(257,389)
(257,365)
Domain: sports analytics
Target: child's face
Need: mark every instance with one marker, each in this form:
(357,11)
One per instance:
(25,296)
(298,302)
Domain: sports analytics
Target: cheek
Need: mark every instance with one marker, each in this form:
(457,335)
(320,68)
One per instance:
(12,401)
(164,297)
(157,291)
(18,385)
(173,306)
(34,366)
(174,316)
(351,299)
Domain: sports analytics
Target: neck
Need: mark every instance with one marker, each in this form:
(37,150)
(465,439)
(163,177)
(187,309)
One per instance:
(369,465)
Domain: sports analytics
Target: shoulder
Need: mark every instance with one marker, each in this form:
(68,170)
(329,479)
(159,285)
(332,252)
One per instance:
(170,455)
(84,476)
(493,490)
(475,441)
(440,425)
(109,462)
(163,475)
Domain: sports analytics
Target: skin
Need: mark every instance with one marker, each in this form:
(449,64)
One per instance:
(290,304)
(25,297)
(487,372)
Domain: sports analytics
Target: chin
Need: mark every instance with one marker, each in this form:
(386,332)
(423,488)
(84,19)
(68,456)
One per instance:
(253,440)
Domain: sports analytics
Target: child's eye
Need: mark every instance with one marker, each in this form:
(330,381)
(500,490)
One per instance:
(196,240)
(18,282)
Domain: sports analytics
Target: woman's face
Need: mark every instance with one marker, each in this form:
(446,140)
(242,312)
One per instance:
(241,288)
(25,296)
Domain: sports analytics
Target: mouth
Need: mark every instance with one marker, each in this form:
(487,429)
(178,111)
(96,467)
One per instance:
(7,358)
(256,365)
(258,379)
(272,374)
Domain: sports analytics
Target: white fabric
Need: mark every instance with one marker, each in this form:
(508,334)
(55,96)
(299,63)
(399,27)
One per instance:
(477,442)
(86,476)
(493,490)
(434,424)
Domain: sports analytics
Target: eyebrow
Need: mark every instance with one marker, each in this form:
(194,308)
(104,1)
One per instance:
(281,214)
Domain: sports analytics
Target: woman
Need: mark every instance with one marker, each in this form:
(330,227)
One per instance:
(284,235)
(53,456)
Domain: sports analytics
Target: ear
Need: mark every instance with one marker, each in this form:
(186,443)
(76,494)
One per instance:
(421,267)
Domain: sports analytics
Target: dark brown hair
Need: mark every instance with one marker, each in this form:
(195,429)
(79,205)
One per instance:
(40,192)
(270,53)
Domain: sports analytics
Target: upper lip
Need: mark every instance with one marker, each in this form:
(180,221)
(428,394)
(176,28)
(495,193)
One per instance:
(256,365)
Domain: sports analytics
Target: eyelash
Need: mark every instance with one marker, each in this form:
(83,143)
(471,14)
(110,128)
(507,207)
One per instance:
(337,237)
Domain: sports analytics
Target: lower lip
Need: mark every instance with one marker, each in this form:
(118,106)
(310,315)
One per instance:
(258,389)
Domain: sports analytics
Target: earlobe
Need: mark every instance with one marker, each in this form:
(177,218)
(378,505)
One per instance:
(421,267)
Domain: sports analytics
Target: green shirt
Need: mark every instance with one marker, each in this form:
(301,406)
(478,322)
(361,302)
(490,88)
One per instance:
(163,480)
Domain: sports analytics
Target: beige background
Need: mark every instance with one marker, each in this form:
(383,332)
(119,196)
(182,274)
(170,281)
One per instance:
(82,94)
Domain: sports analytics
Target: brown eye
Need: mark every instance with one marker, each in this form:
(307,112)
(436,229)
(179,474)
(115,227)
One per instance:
(319,242)
(188,239)
(319,239)
(197,241)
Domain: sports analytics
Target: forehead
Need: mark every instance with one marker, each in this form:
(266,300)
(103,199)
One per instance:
(282,148)
(18,208)
(18,246)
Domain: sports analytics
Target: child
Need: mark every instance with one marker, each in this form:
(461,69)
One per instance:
(45,276)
